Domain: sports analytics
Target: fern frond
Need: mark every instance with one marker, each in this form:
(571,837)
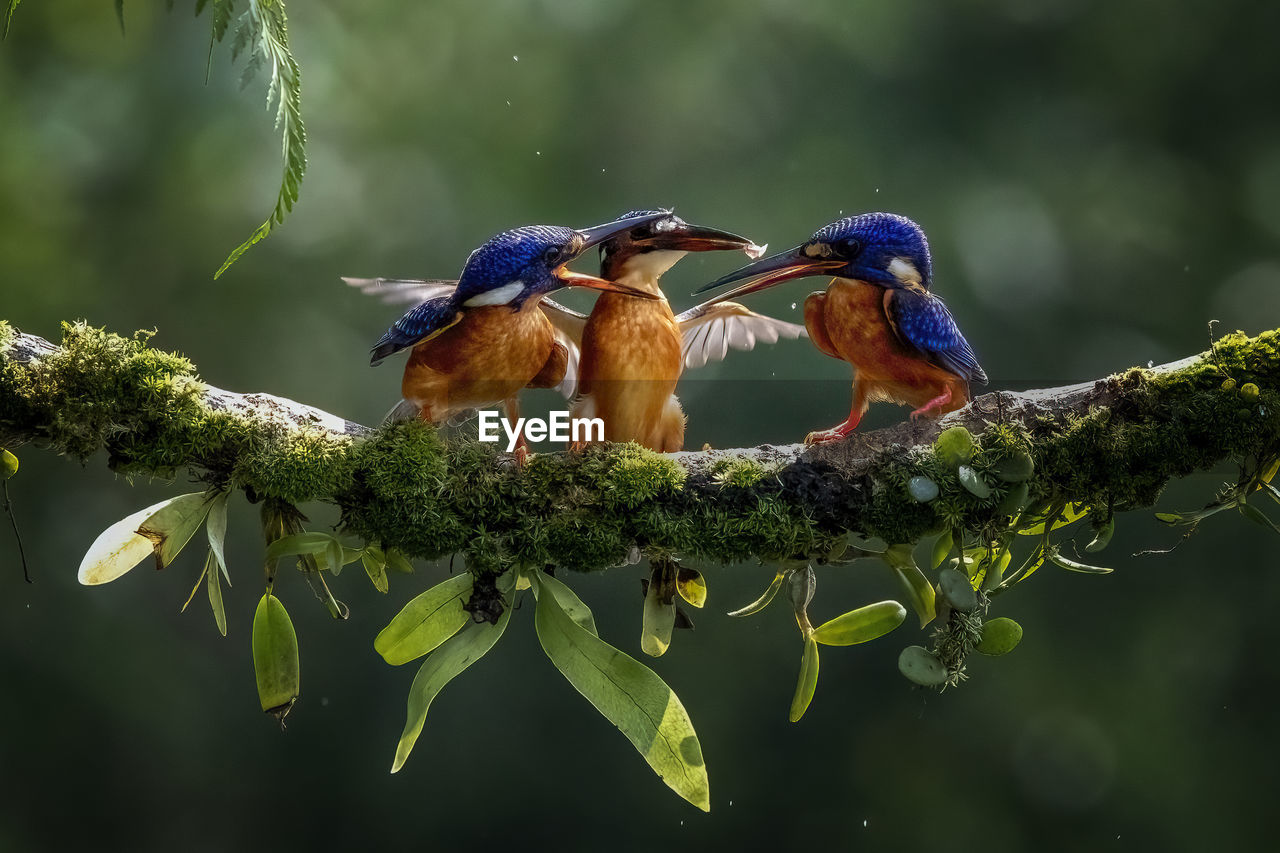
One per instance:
(268,28)
(8,16)
(222,10)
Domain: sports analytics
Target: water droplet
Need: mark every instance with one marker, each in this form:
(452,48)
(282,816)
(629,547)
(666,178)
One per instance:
(508,103)
(877,189)
(515,58)
(1150,363)
(539,153)
(793,306)
(864,823)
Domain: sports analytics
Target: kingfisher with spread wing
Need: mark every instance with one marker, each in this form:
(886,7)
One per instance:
(878,313)
(633,351)
(478,341)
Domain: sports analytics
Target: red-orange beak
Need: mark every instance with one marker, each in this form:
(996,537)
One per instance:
(577,279)
(772,270)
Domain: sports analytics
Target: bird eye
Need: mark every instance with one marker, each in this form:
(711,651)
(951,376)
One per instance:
(551,255)
(851,246)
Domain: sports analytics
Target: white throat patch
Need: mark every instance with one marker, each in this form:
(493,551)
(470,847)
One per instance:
(904,271)
(498,296)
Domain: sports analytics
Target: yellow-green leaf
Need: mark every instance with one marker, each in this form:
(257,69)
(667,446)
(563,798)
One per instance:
(763,601)
(8,464)
(172,526)
(999,636)
(216,526)
(425,622)
(275,657)
(1074,565)
(397,562)
(568,600)
(450,659)
(915,585)
(692,586)
(1103,537)
(659,617)
(375,566)
(957,589)
(861,625)
(630,696)
(314,542)
(1070,514)
(117,549)
(808,682)
(215,598)
(941,548)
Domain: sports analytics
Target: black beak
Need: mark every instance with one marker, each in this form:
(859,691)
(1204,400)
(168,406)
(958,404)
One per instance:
(683,237)
(597,235)
(772,270)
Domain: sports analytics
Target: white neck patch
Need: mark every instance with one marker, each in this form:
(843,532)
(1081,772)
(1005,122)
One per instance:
(498,296)
(649,266)
(904,271)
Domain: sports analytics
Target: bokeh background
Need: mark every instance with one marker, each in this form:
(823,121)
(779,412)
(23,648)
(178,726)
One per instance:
(1098,180)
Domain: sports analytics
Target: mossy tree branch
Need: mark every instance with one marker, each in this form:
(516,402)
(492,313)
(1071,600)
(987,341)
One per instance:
(1110,445)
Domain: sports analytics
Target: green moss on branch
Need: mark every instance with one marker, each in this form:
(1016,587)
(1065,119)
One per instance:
(1114,446)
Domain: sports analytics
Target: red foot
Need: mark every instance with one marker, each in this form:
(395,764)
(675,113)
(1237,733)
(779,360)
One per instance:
(927,410)
(834,434)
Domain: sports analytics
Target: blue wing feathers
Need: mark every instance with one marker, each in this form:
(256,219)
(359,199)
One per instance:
(418,323)
(924,322)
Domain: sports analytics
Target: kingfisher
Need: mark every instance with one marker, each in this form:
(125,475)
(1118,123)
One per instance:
(478,340)
(877,313)
(633,351)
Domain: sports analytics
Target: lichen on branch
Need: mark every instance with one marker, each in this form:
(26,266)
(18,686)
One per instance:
(1111,445)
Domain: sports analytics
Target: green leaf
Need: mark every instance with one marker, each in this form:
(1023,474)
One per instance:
(397,562)
(763,601)
(954,446)
(117,549)
(334,557)
(216,526)
(941,548)
(1069,514)
(808,681)
(215,597)
(974,483)
(1014,500)
(659,617)
(957,590)
(275,657)
(629,695)
(1016,468)
(999,637)
(199,582)
(915,585)
(692,586)
(922,666)
(1056,558)
(299,543)
(446,663)
(425,622)
(569,602)
(285,88)
(375,566)
(172,526)
(1103,537)
(1257,516)
(8,18)
(861,625)
(8,465)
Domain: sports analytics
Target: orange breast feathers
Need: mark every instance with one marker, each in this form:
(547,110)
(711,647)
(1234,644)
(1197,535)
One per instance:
(488,356)
(850,318)
(631,360)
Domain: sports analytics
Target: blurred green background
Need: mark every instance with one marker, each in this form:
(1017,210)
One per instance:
(1097,180)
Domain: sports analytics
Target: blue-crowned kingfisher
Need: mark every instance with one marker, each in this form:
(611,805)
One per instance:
(878,314)
(633,351)
(484,337)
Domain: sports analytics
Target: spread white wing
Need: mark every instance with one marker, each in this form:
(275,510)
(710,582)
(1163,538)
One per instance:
(569,326)
(396,291)
(709,330)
